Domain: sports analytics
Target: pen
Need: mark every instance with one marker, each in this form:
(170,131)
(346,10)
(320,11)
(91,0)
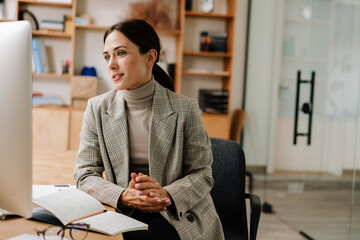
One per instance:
(93,214)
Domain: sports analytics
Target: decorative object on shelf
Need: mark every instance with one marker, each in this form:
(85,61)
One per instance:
(213,100)
(29,16)
(204,41)
(83,19)
(155,12)
(188,5)
(207,6)
(213,41)
(66,66)
(88,71)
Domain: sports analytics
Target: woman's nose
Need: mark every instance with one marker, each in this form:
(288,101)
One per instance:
(112,64)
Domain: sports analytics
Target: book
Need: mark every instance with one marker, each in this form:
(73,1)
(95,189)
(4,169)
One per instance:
(68,24)
(2,15)
(74,206)
(36,55)
(45,101)
(43,56)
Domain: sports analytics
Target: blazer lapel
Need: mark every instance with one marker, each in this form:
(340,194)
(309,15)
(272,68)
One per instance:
(115,133)
(162,130)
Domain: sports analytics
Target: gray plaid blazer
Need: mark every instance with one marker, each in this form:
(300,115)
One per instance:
(180,158)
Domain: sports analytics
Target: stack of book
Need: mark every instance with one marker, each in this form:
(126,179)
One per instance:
(40,60)
(52,25)
(213,100)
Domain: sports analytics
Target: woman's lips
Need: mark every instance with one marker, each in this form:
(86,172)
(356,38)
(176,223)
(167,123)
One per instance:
(116,77)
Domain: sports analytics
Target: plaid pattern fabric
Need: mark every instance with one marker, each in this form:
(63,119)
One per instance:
(180,158)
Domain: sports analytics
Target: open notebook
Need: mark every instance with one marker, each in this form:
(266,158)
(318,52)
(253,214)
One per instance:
(73,205)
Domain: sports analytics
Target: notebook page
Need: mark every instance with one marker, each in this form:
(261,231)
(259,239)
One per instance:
(69,204)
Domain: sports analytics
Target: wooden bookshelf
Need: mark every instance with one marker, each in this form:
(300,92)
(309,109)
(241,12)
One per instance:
(217,125)
(44,3)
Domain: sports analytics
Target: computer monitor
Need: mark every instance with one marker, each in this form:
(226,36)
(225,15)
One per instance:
(15,118)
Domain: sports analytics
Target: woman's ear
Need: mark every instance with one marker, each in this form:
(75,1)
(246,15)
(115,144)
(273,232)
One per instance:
(151,57)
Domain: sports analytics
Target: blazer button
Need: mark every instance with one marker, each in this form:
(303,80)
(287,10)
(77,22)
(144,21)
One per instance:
(190,218)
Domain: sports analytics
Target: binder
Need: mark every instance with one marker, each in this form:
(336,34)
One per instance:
(37,58)
(43,56)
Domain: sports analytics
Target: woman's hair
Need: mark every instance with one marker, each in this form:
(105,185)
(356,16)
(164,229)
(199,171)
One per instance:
(144,36)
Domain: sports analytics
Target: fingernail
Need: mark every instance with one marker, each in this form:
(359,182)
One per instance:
(140,192)
(137,179)
(137,185)
(167,201)
(151,194)
(159,200)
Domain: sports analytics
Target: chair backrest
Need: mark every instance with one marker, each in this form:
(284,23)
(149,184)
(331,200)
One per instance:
(237,124)
(229,190)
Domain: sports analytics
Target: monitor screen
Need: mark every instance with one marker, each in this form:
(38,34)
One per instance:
(15,118)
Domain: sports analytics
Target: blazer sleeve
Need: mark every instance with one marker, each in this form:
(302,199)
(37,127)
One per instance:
(89,167)
(197,182)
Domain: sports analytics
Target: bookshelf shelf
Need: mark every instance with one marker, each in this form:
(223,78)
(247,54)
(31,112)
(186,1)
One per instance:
(209,74)
(220,115)
(208,15)
(51,75)
(103,28)
(42,33)
(91,27)
(52,107)
(207,54)
(45,3)
(6,20)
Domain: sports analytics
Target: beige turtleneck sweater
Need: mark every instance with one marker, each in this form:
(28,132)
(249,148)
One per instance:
(138,104)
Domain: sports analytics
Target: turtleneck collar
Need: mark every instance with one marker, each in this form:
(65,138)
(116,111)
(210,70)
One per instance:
(142,96)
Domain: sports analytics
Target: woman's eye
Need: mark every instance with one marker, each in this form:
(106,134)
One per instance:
(121,52)
(107,57)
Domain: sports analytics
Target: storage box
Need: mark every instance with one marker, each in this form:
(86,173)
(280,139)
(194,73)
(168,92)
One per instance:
(84,87)
(79,103)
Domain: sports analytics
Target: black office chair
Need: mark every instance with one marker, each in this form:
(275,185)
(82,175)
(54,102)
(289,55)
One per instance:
(229,191)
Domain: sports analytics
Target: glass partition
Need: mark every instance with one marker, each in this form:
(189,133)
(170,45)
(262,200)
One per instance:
(309,175)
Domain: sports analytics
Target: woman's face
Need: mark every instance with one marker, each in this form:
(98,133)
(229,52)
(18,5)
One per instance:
(127,67)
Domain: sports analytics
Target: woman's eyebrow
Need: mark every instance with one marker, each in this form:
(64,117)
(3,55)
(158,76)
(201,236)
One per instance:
(116,48)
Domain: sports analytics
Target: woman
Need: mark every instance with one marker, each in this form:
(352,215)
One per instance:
(150,142)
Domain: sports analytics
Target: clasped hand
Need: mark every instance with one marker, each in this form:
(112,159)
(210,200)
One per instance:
(145,194)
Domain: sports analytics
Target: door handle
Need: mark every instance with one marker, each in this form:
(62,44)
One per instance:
(306,108)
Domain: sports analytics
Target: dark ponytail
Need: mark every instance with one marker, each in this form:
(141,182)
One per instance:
(144,36)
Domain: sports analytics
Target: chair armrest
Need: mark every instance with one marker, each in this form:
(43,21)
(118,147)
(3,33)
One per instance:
(255,211)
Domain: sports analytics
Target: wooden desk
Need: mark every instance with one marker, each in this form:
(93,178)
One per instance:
(48,168)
